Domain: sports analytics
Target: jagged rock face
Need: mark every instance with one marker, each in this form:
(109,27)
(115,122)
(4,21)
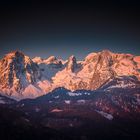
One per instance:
(71,64)
(103,70)
(17,71)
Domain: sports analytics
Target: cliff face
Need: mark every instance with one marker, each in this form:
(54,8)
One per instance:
(17,71)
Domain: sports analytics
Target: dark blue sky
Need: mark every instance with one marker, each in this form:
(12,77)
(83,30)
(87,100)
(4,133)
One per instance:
(63,29)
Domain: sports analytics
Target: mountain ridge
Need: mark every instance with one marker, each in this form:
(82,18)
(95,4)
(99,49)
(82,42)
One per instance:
(23,77)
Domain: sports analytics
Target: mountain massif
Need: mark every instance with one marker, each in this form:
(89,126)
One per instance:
(96,98)
(23,77)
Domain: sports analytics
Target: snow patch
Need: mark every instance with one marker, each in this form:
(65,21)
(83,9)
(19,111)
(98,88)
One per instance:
(81,101)
(2,102)
(56,110)
(106,115)
(37,109)
(56,97)
(74,94)
(67,101)
(32,92)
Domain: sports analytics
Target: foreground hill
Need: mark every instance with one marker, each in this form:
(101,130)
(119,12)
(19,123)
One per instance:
(77,115)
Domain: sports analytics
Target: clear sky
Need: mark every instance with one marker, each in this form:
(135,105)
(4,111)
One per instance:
(66,28)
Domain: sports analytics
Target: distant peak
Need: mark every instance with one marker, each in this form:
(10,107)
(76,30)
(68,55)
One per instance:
(16,52)
(90,57)
(106,51)
(72,63)
(37,59)
(51,59)
(72,57)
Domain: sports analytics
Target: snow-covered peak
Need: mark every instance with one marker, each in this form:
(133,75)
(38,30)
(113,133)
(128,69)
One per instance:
(51,59)
(106,52)
(37,60)
(72,57)
(17,71)
(105,58)
(90,57)
(14,54)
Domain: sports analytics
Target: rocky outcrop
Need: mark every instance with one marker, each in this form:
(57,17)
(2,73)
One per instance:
(71,64)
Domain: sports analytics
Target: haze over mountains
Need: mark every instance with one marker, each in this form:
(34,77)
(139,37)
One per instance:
(23,77)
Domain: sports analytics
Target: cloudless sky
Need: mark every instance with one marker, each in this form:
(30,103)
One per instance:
(70,27)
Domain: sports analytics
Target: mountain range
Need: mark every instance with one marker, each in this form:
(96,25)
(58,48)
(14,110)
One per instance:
(96,98)
(22,77)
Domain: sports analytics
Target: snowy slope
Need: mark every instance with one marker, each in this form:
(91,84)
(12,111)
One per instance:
(121,82)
